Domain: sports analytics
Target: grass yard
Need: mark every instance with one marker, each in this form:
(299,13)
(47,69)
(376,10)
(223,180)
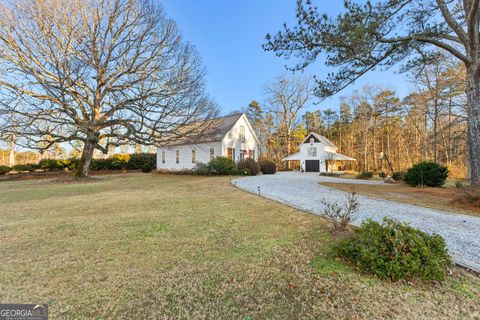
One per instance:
(140,246)
(435,198)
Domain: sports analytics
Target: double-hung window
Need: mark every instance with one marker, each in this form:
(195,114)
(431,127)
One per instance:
(177,156)
(212,153)
(163,156)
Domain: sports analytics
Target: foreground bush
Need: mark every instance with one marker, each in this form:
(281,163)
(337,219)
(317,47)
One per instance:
(23,167)
(267,166)
(4,170)
(393,250)
(427,173)
(365,175)
(222,166)
(249,167)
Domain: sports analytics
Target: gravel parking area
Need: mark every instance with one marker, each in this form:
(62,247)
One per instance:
(303,191)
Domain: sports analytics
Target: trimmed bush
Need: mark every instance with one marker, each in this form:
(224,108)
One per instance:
(222,166)
(394,250)
(201,169)
(427,173)
(51,164)
(398,175)
(382,175)
(108,164)
(249,167)
(147,168)
(23,168)
(267,166)
(4,170)
(138,160)
(365,175)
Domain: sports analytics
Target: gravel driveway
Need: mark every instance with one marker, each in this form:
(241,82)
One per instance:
(303,191)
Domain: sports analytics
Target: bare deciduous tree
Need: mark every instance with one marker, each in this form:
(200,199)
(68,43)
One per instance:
(102,72)
(286,98)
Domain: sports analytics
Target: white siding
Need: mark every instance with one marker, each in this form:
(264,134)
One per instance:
(321,154)
(232,139)
(202,154)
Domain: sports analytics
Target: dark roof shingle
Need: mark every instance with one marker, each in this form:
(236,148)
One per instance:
(217,129)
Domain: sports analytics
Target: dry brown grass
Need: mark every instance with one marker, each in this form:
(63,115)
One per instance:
(445,199)
(143,246)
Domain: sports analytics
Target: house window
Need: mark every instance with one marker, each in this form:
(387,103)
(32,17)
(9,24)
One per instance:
(242,133)
(312,140)
(212,153)
(177,156)
(251,154)
(231,153)
(312,152)
(242,155)
(194,156)
(163,156)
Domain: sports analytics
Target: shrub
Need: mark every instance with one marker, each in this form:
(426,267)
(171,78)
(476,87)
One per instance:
(459,184)
(248,167)
(4,170)
(138,160)
(114,163)
(469,195)
(365,175)
(202,169)
(398,175)
(222,166)
(51,164)
(147,168)
(267,166)
(382,175)
(426,173)
(394,250)
(341,216)
(23,167)
(72,164)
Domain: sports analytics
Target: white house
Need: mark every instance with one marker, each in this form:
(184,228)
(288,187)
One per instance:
(230,136)
(318,154)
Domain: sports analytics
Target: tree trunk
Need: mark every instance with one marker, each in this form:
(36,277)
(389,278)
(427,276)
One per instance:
(83,168)
(11,158)
(473,136)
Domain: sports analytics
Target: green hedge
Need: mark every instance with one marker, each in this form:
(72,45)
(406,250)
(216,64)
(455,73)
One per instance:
(427,173)
(222,166)
(394,250)
(24,167)
(139,160)
(4,170)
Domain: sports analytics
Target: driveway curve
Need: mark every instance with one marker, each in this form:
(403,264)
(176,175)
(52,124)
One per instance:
(303,191)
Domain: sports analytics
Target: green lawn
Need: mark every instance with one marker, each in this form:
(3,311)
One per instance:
(141,246)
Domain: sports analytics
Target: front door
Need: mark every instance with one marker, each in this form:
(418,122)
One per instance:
(312,165)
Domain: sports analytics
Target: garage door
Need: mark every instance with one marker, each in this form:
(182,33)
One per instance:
(312,165)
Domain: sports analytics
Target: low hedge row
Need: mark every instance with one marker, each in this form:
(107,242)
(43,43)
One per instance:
(135,161)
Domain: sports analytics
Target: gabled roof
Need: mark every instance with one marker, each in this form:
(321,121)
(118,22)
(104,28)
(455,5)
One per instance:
(320,138)
(216,131)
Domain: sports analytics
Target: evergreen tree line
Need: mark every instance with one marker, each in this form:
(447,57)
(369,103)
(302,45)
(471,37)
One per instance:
(428,124)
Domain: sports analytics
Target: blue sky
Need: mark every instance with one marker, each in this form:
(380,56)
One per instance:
(229,34)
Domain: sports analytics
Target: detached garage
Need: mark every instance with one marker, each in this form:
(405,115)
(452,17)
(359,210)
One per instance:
(318,154)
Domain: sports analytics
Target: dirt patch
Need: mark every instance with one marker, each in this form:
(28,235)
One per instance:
(445,199)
